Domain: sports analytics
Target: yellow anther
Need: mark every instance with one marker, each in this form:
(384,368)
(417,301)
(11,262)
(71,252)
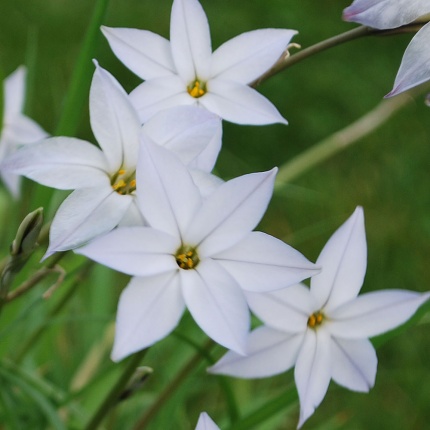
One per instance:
(315,319)
(196,89)
(120,184)
(187,258)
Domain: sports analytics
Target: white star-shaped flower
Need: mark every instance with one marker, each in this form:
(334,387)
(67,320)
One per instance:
(17,129)
(104,179)
(185,71)
(205,422)
(198,252)
(323,330)
(384,14)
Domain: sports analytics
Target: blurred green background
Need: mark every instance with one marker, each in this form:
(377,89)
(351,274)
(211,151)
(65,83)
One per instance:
(387,173)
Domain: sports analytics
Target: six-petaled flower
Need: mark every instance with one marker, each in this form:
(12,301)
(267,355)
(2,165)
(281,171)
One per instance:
(323,331)
(196,252)
(185,71)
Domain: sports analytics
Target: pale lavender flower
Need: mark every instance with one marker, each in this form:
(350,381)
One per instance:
(385,14)
(185,71)
(323,330)
(206,423)
(198,253)
(17,129)
(104,179)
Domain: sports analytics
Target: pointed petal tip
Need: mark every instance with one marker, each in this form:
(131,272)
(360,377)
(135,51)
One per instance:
(105,29)
(48,253)
(393,92)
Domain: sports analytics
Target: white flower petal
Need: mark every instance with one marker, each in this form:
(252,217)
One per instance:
(22,130)
(114,121)
(205,423)
(415,66)
(12,183)
(231,212)
(205,182)
(132,217)
(313,371)
(148,310)
(239,103)
(287,310)
(261,263)
(374,313)
(191,130)
(157,94)
(84,215)
(385,13)
(207,158)
(190,40)
(247,56)
(167,195)
(138,251)
(217,304)
(268,352)
(14,92)
(353,363)
(145,53)
(343,262)
(60,162)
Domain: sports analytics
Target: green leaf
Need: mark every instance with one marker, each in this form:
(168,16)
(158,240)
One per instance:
(43,403)
(79,87)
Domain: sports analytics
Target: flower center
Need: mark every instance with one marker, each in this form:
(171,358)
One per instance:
(123,182)
(187,257)
(196,89)
(315,319)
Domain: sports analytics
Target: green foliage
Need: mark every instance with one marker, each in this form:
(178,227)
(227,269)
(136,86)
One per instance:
(55,369)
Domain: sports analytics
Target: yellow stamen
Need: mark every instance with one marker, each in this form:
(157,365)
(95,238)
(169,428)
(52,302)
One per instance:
(123,183)
(196,89)
(315,319)
(187,258)
(120,184)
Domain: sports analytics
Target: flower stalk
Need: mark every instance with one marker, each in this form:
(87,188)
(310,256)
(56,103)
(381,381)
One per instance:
(115,392)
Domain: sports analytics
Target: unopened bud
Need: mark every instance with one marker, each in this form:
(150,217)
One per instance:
(139,377)
(26,237)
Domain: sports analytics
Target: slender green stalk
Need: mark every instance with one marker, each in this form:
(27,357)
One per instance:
(288,60)
(172,387)
(79,87)
(268,410)
(78,281)
(344,138)
(116,390)
(232,408)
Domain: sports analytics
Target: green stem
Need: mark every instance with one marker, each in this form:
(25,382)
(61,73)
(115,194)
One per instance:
(116,390)
(232,408)
(78,91)
(344,138)
(171,388)
(58,307)
(268,410)
(288,60)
